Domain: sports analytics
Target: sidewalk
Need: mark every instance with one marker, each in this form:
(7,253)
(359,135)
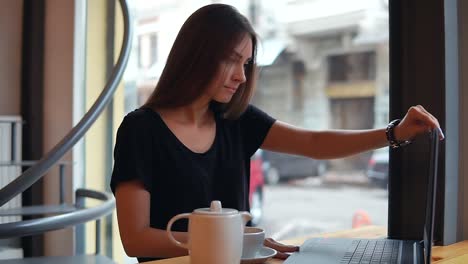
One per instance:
(335,178)
(345,177)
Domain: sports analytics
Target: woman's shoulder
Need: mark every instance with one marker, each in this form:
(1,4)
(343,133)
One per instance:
(143,118)
(255,117)
(252,110)
(141,114)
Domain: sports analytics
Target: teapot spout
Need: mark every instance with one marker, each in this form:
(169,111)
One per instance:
(246,216)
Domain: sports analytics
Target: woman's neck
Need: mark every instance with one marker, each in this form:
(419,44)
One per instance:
(193,114)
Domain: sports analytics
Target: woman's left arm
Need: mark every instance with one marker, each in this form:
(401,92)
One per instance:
(330,144)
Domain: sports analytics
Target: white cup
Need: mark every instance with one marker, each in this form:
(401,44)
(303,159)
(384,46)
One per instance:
(253,241)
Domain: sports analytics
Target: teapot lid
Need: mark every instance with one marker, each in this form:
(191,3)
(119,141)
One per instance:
(216,209)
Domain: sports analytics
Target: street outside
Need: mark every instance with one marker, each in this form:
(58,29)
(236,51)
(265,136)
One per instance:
(315,205)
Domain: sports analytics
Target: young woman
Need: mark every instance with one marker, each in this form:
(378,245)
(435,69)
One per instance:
(192,141)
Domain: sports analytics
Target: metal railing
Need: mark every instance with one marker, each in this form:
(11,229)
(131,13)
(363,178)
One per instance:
(49,223)
(30,163)
(34,173)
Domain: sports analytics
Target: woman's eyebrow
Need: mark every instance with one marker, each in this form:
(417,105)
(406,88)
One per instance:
(239,56)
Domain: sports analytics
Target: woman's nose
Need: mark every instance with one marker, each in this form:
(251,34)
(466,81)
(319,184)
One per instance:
(239,74)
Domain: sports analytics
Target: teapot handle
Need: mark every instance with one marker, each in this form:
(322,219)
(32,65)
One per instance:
(169,233)
(246,216)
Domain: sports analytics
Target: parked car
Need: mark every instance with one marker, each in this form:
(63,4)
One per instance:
(377,168)
(256,187)
(281,167)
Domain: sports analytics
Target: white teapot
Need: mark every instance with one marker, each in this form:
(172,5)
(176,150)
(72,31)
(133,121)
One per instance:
(215,234)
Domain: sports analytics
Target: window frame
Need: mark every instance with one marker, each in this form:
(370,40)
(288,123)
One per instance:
(424,70)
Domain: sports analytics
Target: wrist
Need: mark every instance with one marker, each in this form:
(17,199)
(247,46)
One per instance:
(393,135)
(397,133)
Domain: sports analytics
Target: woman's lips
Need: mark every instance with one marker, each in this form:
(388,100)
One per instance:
(231,89)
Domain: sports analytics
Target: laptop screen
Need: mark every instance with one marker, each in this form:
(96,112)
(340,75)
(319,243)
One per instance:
(431,195)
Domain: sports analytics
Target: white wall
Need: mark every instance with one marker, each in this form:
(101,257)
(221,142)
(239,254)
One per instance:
(58,108)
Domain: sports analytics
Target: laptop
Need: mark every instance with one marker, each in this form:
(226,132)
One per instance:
(370,251)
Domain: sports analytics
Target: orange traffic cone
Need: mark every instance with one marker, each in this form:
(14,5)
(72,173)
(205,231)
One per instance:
(361,218)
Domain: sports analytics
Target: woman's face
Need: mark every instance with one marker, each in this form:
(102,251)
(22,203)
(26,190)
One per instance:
(232,72)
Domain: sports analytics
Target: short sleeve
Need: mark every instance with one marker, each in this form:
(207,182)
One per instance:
(133,152)
(255,125)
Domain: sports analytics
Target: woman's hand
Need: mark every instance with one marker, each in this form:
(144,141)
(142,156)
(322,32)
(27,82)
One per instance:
(282,249)
(416,121)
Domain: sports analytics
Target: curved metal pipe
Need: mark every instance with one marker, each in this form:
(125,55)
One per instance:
(30,176)
(56,222)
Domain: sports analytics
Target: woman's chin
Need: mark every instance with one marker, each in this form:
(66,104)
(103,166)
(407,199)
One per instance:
(223,99)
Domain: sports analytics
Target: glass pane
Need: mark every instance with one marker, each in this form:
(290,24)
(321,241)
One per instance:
(323,65)
(331,72)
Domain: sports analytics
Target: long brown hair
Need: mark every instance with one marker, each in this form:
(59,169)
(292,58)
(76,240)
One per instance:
(207,37)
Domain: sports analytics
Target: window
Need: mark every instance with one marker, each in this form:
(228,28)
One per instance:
(147,50)
(318,70)
(352,67)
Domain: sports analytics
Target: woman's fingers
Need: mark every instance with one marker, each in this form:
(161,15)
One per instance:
(281,255)
(280,248)
(418,120)
(430,121)
(270,242)
(436,122)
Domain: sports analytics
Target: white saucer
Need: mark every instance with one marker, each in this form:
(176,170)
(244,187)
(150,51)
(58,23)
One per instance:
(263,255)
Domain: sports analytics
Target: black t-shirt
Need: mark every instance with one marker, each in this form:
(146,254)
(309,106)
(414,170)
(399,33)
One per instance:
(180,180)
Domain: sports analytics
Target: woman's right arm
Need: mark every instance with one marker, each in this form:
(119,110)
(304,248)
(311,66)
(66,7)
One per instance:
(133,214)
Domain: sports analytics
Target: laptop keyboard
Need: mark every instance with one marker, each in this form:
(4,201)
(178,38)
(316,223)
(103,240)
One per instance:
(372,252)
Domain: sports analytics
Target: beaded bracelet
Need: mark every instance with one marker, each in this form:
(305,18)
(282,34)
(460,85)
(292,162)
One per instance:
(393,143)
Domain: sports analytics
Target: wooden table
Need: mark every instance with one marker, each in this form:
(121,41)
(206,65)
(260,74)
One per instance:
(452,254)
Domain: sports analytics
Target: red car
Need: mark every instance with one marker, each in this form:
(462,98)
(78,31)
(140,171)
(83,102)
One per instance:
(256,187)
